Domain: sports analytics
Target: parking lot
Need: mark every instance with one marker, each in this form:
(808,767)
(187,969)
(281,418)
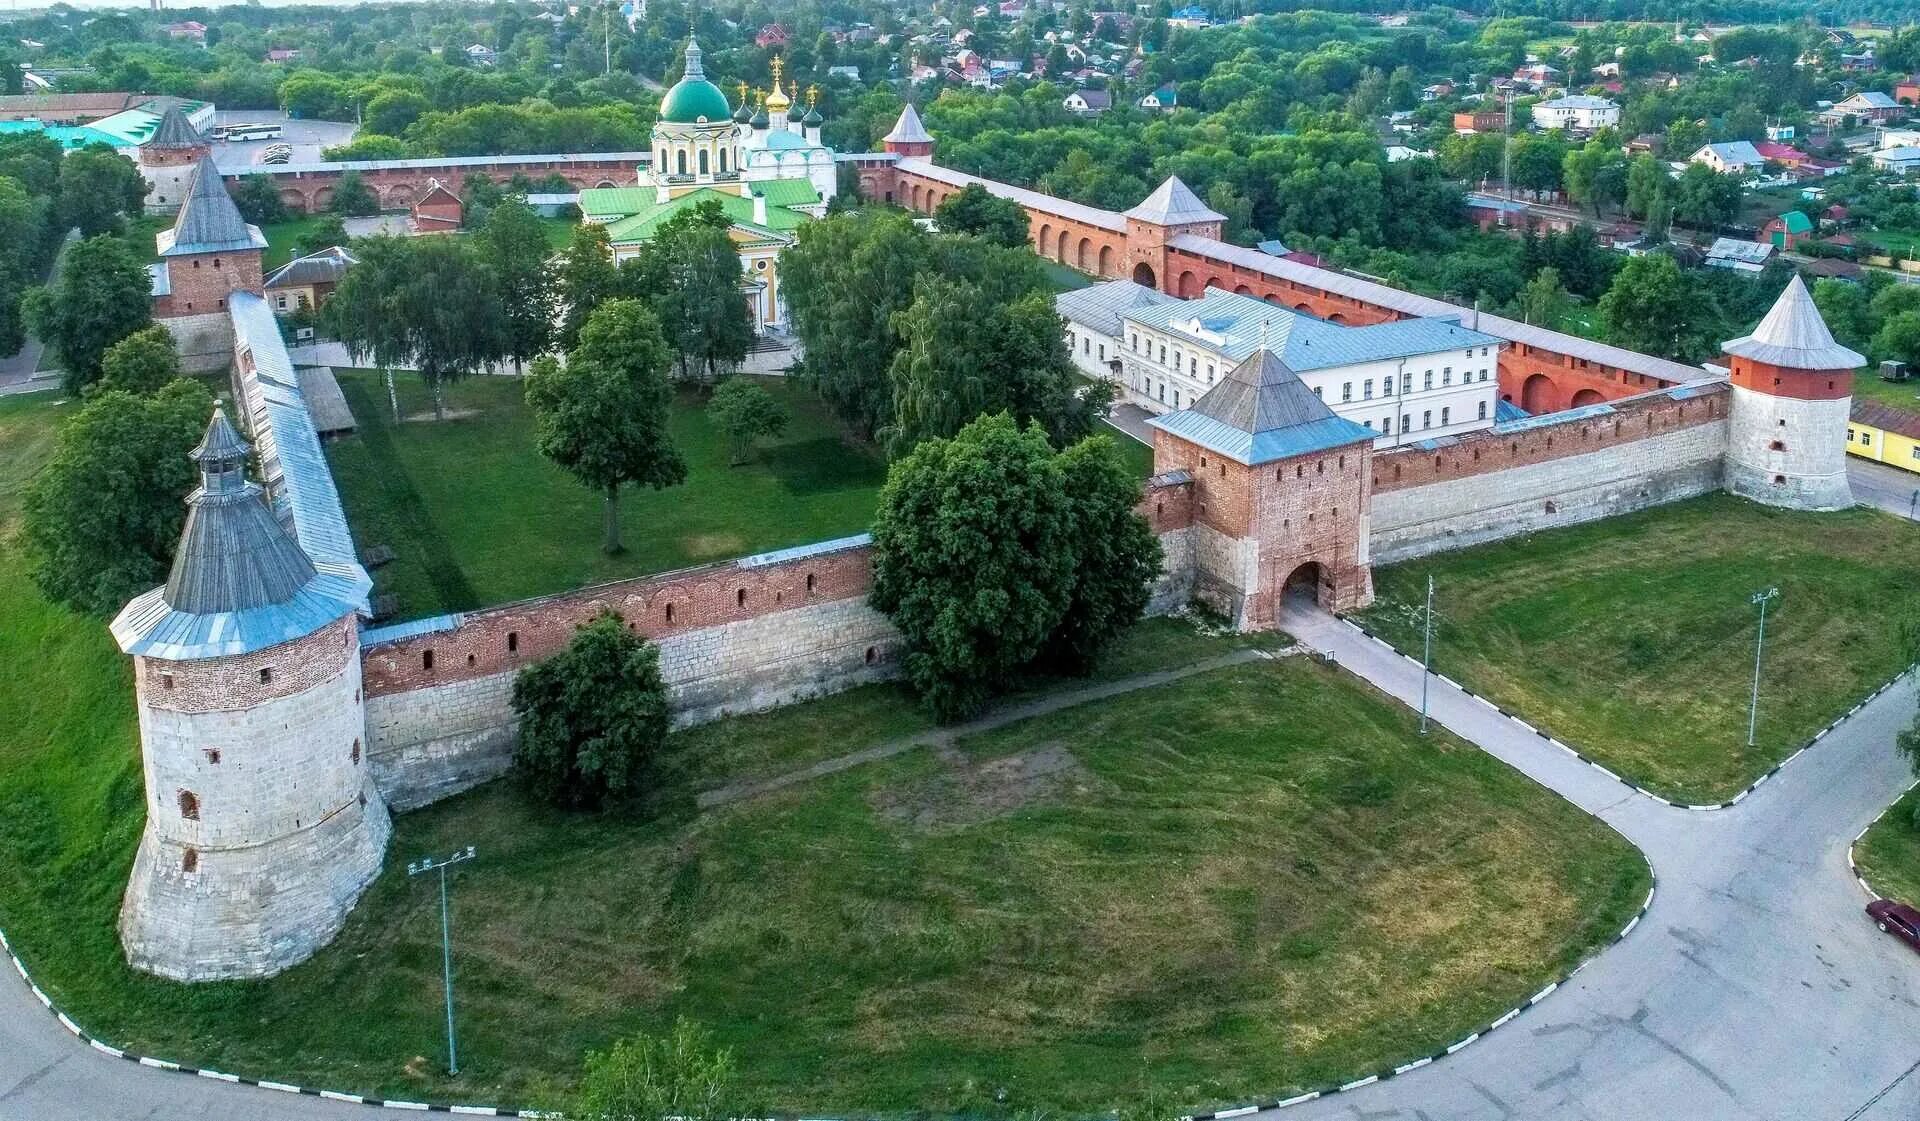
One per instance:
(307,138)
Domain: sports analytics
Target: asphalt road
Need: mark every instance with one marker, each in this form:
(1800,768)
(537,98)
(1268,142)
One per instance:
(1876,484)
(1754,989)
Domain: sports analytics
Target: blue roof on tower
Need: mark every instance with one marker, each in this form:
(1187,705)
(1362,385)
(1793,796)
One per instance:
(1261,411)
(1233,324)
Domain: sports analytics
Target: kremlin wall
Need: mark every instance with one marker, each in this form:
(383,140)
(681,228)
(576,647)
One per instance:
(277,727)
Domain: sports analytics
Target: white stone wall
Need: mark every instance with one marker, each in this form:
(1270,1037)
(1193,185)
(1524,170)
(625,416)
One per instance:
(1456,513)
(435,741)
(1174,589)
(286,827)
(205,342)
(1225,570)
(1808,470)
(167,186)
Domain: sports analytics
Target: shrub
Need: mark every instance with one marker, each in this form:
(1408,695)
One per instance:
(591,717)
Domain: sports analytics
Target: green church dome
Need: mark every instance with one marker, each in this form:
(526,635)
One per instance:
(693,100)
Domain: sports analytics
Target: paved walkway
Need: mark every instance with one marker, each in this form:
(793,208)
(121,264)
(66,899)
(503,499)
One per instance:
(1754,988)
(1889,488)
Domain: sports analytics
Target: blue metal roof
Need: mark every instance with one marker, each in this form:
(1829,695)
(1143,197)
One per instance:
(1232,324)
(1506,412)
(1254,449)
(799,552)
(301,490)
(432,624)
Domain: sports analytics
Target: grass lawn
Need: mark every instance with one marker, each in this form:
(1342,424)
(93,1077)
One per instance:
(1901,395)
(1889,855)
(281,236)
(1065,278)
(559,231)
(477,516)
(1632,638)
(1139,456)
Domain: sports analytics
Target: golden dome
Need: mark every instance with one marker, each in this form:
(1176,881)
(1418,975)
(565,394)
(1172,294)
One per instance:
(777,100)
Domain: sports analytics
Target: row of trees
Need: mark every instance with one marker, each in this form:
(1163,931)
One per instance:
(43,194)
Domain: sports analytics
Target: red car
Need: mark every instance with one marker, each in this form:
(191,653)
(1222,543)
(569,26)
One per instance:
(1897,919)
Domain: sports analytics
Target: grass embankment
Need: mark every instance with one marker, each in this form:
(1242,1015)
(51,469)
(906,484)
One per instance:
(476,515)
(1889,855)
(1255,879)
(1633,638)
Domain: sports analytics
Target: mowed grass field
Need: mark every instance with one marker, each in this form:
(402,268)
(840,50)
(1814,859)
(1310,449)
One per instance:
(1257,879)
(1889,855)
(476,515)
(1633,638)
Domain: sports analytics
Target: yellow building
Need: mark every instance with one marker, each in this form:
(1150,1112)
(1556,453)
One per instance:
(1884,434)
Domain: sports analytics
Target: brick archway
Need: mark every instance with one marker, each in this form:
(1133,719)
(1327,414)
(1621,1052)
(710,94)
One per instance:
(1586,397)
(1536,394)
(1308,580)
(1106,260)
(1143,275)
(1060,248)
(1189,286)
(1043,238)
(1083,254)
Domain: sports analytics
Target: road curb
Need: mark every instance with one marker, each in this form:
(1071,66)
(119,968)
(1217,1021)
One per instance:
(1852,866)
(1703,807)
(106,1048)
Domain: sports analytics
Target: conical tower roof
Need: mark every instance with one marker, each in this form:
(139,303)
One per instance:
(234,554)
(1173,203)
(208,221)
(1795,336)
(908,129)
(175,132)
(1261,411)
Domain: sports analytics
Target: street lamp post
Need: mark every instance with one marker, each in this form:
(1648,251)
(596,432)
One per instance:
(1426,657)
(1760,600)
(419,867)
(1912,504)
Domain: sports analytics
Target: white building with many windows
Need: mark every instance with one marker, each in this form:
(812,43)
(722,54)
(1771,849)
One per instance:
(1408,380)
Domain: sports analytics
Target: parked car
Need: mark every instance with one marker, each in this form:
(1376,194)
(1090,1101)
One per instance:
(1897,919)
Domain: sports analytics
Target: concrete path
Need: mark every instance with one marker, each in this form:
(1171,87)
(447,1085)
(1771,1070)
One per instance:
(1889,488)
(1754,989)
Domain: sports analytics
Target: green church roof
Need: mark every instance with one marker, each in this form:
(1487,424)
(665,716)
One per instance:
(643,223)
(693,100)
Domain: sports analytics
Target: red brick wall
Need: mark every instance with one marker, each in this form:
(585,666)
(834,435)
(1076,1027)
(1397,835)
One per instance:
(1782,381)
(1313,510)
(213,684)
(397,188)
(1167,506)
(1480,453)
(1222,490)
(201,282)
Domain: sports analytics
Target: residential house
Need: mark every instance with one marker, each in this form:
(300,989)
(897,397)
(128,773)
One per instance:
(192,31)
(1786,230)
(771,35)
(1536,76)
(1738,254)
(1191,18)
(1783,154)
(1907,90)
(1860,62)
(1884,434)
(480,55)
(1480,120)
(1867,105)
(1397,153)
(1436,91)
(1579,112)
(1901,161)
(1733,157)
(1164,99)
(307,282)
(1088,102)
(282,54)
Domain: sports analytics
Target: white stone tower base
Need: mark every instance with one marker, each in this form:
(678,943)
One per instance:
(1788,452)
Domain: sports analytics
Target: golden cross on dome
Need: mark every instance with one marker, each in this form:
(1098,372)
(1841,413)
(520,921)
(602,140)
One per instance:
(776,64)
(813,96)
(742,87)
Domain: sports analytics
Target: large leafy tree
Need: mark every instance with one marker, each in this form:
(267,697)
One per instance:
(363,313)
(689,273)
(975,210)
(991,552)
(1652,308)
(965,355)
(102,295)
(259,200)
(585,277)
(427,303)
(103,517)
(591,717)
(140,363)
(24,229)
(514,248)
(602,416)
(99,188)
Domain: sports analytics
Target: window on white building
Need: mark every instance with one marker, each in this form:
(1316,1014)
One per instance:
(1406,384)
(1426,419)
(1193,368)
(1163,354)
(1406,421)
(1386,424)
(1446,376)
(1209,373)
(1428,383)
(1086,346)
(1483,410)
(1133,342)
(1346,391)
(1161,396)
(1176,359)
(1446,417)
(1369,424)
(1103,352)
(1483,375)
(1317,393)
(1366,390)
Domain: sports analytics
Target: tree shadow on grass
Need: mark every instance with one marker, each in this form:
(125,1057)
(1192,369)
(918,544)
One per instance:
(820,466)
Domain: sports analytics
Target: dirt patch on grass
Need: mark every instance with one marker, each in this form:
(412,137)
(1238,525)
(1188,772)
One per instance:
(704,546)
(966,792)
(451,414)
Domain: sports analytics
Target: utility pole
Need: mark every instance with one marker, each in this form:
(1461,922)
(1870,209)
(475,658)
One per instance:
(1506,145)
(1912,504)
(420,867)
(1426,657)
(1760,600)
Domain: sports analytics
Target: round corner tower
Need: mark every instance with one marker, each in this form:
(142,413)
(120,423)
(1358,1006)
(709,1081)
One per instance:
(1792,389)
(908,137)
(263,823)
(167,160)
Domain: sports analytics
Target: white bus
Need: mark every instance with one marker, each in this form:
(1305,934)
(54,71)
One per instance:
(246,132)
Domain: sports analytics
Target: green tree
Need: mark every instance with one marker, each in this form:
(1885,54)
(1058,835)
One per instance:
(103,517)
(352,197)
(1652,308)
(360,313)
(327,231)
(744,412)
(689,273)
(1116,555)
(592,717)
(975,210)
(1595,174)
(680,1076)
(24,228)
(1704,197)
(259,201)
(514,248)
(1542,298)
(1646,177)
(141,363)
(965,355)
(602,417)
(1846,307)
(585,278)
(102,295)
(99,188)
(845,278)
(389,112)
(1899,338)
(449,308)
(973,557)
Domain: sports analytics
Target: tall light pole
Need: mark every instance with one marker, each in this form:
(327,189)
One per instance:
(1760,600)
(1912,504)
(1426,657)
(419,867)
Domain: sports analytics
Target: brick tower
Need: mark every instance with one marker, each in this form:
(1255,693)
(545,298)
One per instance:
(167,160)
(1171,210)
(263,823)
(1792,388)
(909,137)
(210,253)
(1281,492)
